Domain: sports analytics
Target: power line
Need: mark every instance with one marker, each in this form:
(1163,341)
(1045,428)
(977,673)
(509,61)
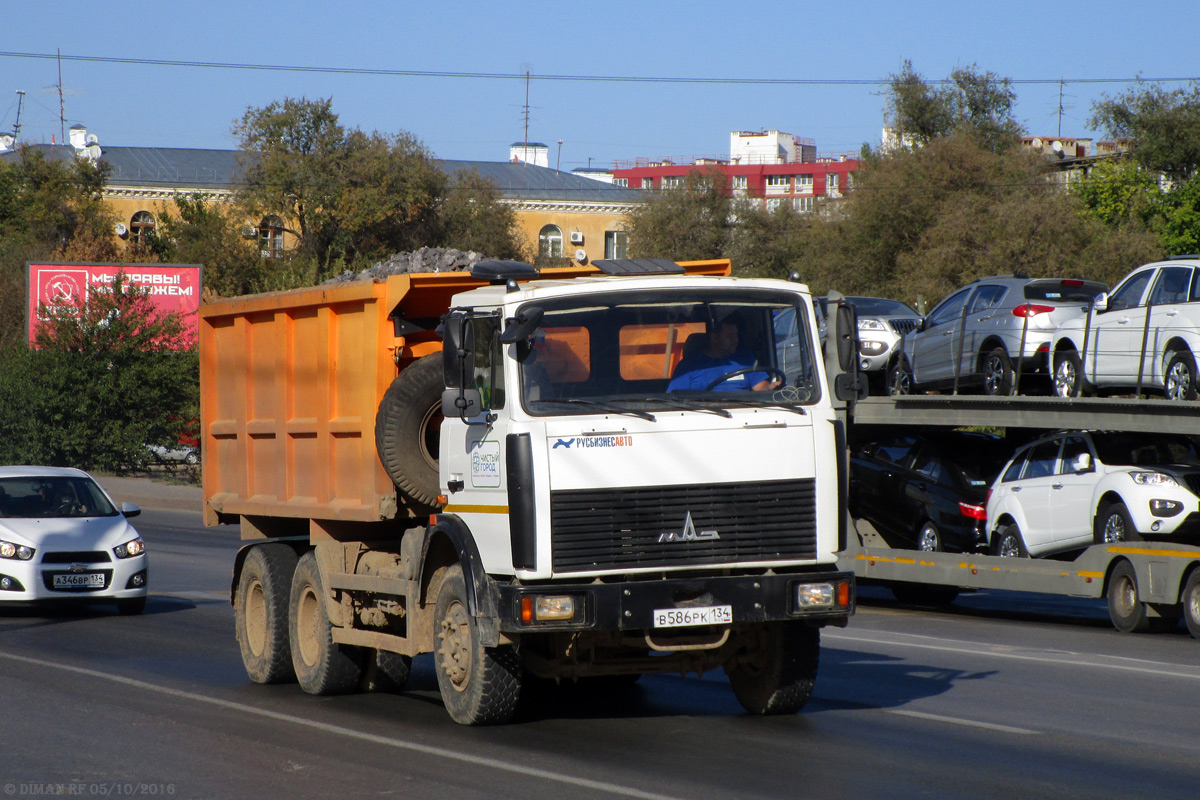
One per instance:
(407,73)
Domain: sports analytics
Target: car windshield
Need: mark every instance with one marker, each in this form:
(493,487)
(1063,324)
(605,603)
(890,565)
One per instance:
(669,350)
(880,307)
(1146,449)
(54,496)
(978,458)
(1067,291)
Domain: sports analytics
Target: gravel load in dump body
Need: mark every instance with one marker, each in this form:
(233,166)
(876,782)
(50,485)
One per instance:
(427,259)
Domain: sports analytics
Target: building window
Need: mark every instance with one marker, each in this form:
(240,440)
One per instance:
(616,244)
(802,204)
(648,183)
(550,242)
(773,204)
(831,185)
(740,183)
(804,184)
(779,184)
(621,182)
(672,181)
(270,236)
(141,228)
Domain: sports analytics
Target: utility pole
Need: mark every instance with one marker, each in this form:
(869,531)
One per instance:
(526,114)
(62,109)
(17,124)
(558,161)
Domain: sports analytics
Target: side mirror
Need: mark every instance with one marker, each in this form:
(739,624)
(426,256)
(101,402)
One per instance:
(457,345)
(521,327)
(847,337)
(1082,463)
(921,323)
(461,403)
(1101,302)
(130,510)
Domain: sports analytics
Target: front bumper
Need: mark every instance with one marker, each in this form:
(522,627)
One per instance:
(33,581)
(630,605)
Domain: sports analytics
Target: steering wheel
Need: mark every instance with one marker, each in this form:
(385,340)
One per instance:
(771,371)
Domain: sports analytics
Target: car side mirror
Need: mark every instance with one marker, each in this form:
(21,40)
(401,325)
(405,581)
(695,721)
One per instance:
(1101,302)
(1083,463)
(921,324)
(130,510)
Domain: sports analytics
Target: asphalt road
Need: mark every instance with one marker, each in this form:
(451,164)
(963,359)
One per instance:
(1000,696)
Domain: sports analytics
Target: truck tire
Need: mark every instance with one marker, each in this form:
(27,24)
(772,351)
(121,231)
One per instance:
(1125,606)
(406,430)
(479,685)
(391,671)
(1189,601)
(779,674)
(322,667)
(261,613)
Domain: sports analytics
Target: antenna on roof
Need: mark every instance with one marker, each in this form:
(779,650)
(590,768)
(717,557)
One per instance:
(62,109)
(17,124)
(526,111)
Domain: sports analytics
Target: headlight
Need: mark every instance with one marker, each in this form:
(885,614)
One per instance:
(18,551)
(868,348)
(1153,479)
(134,547)
(870,325)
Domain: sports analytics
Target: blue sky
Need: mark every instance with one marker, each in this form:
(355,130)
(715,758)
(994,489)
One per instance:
(598,122)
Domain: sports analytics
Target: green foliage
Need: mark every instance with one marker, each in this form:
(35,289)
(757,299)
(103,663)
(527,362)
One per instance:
(1118,193)
(49,210)
(353,196)
(770,244)
(1164,126)
(472,217)
(209,234)
(102,382)
(1178,218)
(690,222)
(970,102)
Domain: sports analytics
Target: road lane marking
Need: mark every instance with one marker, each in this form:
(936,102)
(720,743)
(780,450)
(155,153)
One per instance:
(1059,657)
(991,726)
(386,741)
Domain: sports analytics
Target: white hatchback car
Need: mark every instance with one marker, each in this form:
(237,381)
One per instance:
(1147,332)
(63,539)
(1077,488)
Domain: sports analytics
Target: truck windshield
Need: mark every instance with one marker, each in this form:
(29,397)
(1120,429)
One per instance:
(686,349)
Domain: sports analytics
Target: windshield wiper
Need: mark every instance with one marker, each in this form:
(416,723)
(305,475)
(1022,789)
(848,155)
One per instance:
(689,405)
(580,401)
(795,407)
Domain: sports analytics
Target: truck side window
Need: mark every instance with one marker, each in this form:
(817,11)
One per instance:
(489,378)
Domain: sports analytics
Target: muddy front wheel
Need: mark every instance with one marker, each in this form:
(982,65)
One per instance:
(778,673)
(479,685)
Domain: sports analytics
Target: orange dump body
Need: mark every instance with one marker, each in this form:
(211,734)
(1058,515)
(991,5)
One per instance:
(290,383)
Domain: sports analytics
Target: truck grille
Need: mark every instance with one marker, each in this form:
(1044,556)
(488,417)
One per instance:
(602,529)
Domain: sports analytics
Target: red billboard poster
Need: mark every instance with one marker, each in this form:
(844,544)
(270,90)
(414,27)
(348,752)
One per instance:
(61,289)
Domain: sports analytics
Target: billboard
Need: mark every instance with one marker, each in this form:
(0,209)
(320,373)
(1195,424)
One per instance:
(62,288)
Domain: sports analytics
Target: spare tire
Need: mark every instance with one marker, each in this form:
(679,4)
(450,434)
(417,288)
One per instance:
(407,428)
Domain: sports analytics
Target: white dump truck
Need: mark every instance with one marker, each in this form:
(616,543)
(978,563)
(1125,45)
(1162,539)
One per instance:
(561,475)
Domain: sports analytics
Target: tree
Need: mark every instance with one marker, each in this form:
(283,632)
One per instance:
(770,243)
(977,103)
(350,194)
(473,218)
(49,210)
(692,221)
(1164,126)
(102,380)
(210,234)
(1119,193)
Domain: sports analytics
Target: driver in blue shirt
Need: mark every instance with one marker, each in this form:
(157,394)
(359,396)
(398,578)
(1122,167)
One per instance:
(720,356)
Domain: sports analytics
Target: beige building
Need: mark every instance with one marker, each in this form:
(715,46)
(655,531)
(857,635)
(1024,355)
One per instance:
(562,214)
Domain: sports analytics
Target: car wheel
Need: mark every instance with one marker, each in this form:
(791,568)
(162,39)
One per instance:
(1009,543)
(1068,375)
(928,538)
(1113,524)
(1125,606)
(997,373)
(1180,377)
(1190,602)
(900,378)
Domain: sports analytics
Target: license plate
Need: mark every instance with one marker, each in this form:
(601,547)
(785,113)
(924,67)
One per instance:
(685,617)
(78,580)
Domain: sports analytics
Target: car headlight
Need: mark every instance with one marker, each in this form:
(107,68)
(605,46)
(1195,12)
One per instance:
(19,552)
(870,325)
(1153,479)
(134,547)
